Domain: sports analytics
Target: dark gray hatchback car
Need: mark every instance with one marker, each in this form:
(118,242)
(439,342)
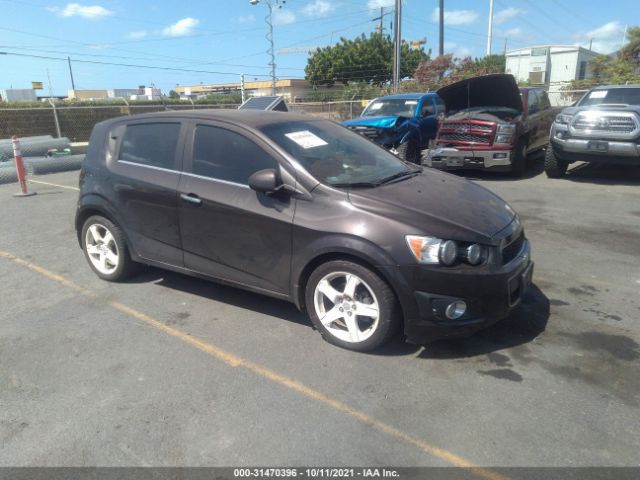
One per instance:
(305,210)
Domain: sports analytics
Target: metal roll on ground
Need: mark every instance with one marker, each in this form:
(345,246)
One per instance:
(41,165)
(34,148)
(35,138)
(8,175)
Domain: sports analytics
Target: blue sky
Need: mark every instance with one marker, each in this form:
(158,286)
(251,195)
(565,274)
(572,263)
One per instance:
(217,40)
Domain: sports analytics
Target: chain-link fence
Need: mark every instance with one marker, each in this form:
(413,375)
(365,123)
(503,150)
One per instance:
(76,122)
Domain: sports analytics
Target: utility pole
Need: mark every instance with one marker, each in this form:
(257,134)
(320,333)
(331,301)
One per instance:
(50,86)
(397,42)
(271,52)
(242,87)
(381,27)
(441,32)
(490,33)
(73,85)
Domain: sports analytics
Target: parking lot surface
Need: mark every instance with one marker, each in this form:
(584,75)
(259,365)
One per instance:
(167,370)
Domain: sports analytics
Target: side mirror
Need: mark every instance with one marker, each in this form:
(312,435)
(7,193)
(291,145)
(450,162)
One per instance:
(265,181)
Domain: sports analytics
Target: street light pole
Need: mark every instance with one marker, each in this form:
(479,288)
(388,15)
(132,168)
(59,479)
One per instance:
(490,32)
(397,41)
(271,51)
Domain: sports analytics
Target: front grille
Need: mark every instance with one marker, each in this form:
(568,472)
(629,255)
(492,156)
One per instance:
(464,137)
(604,123)
(475,126)
(511,251)
(369,132)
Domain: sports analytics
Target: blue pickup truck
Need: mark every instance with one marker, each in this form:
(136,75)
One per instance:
(402,123)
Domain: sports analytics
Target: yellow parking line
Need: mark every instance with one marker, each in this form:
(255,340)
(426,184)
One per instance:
(237,361)
(54,185)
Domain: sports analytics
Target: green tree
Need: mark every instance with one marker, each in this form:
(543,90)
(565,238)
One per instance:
(445,69)
(631,51)
(364,59)
(173,94)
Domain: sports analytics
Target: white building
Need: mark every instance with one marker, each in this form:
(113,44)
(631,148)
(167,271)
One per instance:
(18,95)
(552,66)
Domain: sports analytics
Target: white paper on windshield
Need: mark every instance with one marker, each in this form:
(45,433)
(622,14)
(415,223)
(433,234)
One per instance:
(411,102)
(598,94)
(375,106)
(306,139)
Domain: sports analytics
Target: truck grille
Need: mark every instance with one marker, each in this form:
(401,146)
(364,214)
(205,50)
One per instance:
(512,249)
(606,124)
(369,132)
(467,132)
(465,137)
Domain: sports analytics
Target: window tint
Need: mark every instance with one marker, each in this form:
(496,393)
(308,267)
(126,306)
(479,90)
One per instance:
(151,144)
(428,108)
(544,100)
(532,101)
(226,155)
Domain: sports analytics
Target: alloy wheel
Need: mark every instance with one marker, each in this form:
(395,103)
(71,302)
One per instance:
(346,306)
(102,249)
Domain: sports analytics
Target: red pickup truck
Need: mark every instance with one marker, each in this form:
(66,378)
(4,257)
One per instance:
(490,124)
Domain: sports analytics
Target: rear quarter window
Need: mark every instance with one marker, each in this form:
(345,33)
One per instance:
(152,144)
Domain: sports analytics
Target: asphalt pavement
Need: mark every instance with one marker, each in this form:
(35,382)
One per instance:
(167,370)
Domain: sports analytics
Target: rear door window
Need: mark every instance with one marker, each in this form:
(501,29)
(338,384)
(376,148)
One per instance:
(533,104)
(226,155)
(151,144)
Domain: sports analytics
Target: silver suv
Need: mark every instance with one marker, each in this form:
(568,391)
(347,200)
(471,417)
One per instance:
(604,126)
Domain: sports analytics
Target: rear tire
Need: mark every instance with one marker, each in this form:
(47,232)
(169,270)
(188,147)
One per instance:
(351,306)
(409,152)
(554,167)
(106,250)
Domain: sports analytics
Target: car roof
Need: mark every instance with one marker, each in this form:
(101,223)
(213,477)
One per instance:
(609,87)
(250,118)
(407,96)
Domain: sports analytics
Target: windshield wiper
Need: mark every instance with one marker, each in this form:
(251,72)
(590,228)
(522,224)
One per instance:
(398,175)
(354,185)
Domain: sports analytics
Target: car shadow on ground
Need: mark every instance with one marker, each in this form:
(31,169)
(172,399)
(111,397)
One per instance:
(222,293)
(523,325)
(601,174)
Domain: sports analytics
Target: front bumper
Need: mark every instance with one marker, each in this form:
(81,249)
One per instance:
(450,158)
(490,292)
(587,150)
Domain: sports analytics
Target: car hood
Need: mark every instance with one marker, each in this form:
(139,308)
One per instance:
(497,90)
(377,122)
(438,204)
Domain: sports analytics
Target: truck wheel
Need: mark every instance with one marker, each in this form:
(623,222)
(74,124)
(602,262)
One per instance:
(519,164)
(554,167)
(410,152)
(351,306)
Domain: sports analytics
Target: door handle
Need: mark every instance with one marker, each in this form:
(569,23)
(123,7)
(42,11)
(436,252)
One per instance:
(191,198)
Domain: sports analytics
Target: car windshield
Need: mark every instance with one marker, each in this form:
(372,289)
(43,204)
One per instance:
(334,155)
(391,108)
(620,96)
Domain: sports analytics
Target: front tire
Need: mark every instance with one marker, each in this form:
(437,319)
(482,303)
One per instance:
(519,165)
(351,306)
(106,250)
(409,152)
(554,167)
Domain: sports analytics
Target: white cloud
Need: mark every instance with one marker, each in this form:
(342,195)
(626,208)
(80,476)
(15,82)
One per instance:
(507,14)
(181,28)
(283,17)
(456,17)
(318,8)
(373,4)
(136,35)
(246,18)
(91,12)
(606,38)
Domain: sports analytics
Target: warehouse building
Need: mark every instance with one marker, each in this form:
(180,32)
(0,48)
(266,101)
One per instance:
(553,66)
(18,95)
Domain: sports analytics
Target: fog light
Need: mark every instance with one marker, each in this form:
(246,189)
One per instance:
(456,309)
(499,155)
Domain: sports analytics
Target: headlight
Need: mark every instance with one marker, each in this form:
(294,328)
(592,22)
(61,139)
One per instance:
(476,254)
(504,139)
(563,118)
(507,128)
(433,251)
